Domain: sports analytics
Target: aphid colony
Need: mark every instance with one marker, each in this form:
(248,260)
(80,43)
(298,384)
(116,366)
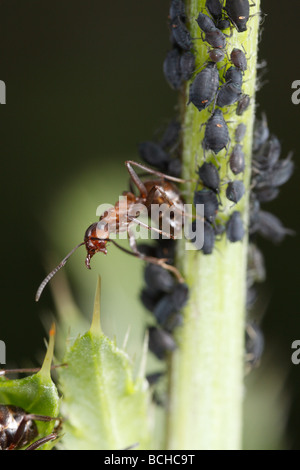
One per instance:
(208,89)
(162,296)
(166,293)
(269,173)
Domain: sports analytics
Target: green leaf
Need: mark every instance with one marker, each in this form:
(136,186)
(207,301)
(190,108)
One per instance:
(36,394)
(104,407)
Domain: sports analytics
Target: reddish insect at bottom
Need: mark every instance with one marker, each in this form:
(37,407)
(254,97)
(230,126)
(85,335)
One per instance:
(18,429)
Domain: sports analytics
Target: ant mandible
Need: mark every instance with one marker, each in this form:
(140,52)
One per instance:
(119,219)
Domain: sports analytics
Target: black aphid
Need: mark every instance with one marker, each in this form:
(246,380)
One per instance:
(235,191)
(177,10)
(174,167)
(282,171)
(243,104)
(204,87)
(187,65)
(179,296)
(153,154)
(240,132)
(208,198)
(238,59)
(231,91)
(178,67)
(216,55)
(172,69)
(168,307)
(215,38)
(237,160)
(238,12)
(205,23)
(234,228)
(270,227)
(149,298)
(269,173)
(206,244)
(254,344)
(171,135)
(209,175)
(181,34)
(215,9)
(261,132)
(267,154)
(147,249)
(276,175)
(265,193)
(166,315)
(209,239)
(165,248)
(158,278)
(212,35)
(234,75)
(229,94)
(216,135)
(160,342)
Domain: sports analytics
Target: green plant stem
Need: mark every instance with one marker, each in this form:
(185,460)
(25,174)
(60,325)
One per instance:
(206,372)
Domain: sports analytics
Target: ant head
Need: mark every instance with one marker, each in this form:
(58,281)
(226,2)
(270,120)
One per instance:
(95,240)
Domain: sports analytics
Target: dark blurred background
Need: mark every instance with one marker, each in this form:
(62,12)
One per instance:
(84,86)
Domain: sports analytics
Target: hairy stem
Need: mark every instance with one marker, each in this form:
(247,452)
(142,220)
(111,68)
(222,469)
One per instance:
(206,372)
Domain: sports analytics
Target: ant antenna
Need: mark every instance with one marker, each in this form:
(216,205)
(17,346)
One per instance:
(55,270)
(27,371)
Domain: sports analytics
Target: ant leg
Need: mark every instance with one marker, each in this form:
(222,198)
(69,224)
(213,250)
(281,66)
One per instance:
(26,371)
(150,259)
(130,163)
(19,434)
(47,419)
(136,180)
(132,446)
(154,229)
(51,437)
(43,440)
(229,35)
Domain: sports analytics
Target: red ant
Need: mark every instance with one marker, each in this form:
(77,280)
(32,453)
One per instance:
(96,237)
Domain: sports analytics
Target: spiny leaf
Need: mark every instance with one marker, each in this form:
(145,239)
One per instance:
(104,407)
(36,394)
